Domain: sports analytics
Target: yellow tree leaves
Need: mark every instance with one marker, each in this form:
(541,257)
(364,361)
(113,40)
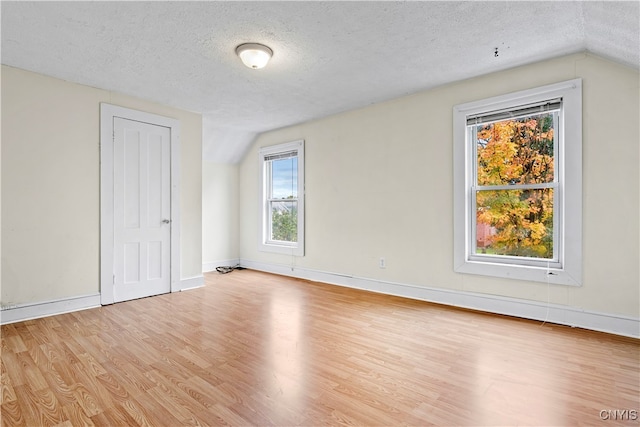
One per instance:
(512,153)
(496,157)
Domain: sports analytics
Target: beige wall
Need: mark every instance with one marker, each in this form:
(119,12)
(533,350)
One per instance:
(51,190)
(379,183)
(219,213)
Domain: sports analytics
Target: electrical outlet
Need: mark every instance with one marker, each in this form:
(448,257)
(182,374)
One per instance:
(382,263)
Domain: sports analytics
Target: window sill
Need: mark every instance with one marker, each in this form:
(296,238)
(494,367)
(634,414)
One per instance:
(557,276)
(282,249)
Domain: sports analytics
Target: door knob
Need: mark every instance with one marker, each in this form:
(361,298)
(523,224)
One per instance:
(166,221)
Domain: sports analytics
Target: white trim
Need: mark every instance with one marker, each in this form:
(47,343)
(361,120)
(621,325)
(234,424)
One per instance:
(107,114)
(211,266)
(190,283)
(570,192)
(22,312)
(293,249)
(533,310)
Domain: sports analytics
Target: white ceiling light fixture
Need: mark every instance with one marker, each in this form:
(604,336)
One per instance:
(254,55)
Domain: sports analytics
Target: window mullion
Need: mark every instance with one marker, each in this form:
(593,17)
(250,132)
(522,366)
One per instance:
(293,199)
(537,186)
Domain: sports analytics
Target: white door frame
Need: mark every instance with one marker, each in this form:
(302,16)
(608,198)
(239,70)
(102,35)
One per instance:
(107,114)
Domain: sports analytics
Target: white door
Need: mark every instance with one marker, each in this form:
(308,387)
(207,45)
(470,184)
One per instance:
(141,209)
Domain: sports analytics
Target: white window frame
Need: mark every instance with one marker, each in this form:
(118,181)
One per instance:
(567,268)
(265,243)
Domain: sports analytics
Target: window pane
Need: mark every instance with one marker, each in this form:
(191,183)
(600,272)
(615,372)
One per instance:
(284,221)
(516,151)
(284,178)
(515,223)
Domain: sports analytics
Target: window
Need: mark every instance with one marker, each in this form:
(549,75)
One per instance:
(517,184)
(282,198)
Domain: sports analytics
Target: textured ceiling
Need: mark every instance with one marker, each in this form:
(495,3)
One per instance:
(328,56)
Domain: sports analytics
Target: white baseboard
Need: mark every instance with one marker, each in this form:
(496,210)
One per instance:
(534,310)
(190,283)
(21,312)
(211,266)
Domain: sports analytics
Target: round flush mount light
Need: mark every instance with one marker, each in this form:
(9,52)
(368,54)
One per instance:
(254,55)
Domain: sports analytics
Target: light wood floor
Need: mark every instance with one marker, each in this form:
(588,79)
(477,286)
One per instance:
(251,348)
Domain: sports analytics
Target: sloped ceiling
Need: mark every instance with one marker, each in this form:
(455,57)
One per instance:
(328,56)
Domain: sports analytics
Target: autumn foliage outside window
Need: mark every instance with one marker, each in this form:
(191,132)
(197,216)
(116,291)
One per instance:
(515,186)
(517,178)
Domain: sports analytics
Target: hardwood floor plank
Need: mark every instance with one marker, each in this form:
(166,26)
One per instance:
(7,394)
(76,415)
(173,397)
(219,415)
(12,415)
(141,415)
(252,348)
(39,407)
(179,407)
(14,343)
(151,410)
(116,391)
(85,399)
(32,375)
(132,378)
(64,394)
(114,416)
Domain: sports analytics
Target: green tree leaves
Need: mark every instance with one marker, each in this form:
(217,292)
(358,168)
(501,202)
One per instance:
(284,224)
